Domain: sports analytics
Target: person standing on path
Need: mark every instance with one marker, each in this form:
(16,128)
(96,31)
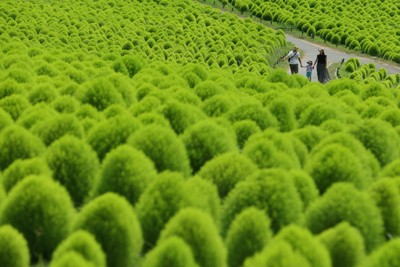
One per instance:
(294,59)
(321,62)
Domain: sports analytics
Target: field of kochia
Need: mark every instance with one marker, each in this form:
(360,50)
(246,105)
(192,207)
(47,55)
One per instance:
(156,133)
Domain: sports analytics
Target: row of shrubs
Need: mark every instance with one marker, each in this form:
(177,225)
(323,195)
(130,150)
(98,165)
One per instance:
(112,157)
(368,26)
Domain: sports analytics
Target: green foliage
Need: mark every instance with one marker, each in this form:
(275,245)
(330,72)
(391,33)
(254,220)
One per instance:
(56,127)
(197,229)
(385,256)
(305,186)
(205,140)
(247,235)
(226,170)
(22,168)
(71,259)
(44,93)
(282,109)
(101,93)
(386,196)
(306,244)
(171,252)
(14,105)
(126,171)
(42,211)
(343,202)
(18,143)
(244,130)
(379,137)
(318,113)
(163,147)
(85,245)
(13,248)
(345,245)
(208,89)
(270,190)
(75,165)
(36,114)
(327,167)
(111,220)
(5,119)
(111,133)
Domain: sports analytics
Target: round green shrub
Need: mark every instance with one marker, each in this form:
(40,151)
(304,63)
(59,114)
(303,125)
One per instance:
(327,167)
(310,135)
(171,252)
(278,254)
(248,234)
(42,93)
(252,111)
(203,195)
(391,170)
(126,171)
(14,105)
(218,105)
(283,111)
(149,118)
(181,115)
(391,115)
(270,190)
(5,119)
(208,89)
(18,143)
(75,165)
(318,113)
(65,104)
(13,248)
(345,245)
(42,211)
(375,89)
(36,114)
(305,186)
(205,140)
(84,244)
(56,127)
(111,133)
(272,149)
(197,229)
(380,138)
(339,85)
(244,130)
(71,259)
(22,168)
(301,240)
(226,170)
(385,194)
(386,255)
(343,202)
(163,147)
(101,93)
(111,220)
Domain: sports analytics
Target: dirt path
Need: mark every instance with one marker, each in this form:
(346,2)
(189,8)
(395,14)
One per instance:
(310,51)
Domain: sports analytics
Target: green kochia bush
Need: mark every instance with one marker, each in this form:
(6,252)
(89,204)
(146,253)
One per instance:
(42,211)
(386,195)
(36,114)
(13,248)
(111,133)
(270,190)
(5,119)
(21,168)
(101,93)
(74,164)
(163,147)
(244,130)
(205,140)
(304,242)
(226,170)
(71,259)
(249,233)
(278,254)
(272,149)
(282,109)
(305,186)
(15,105)
(345,245)
(18,143)
(343,202)
(171,252)
(126,171)
(197,229)
(58,126)
(158,203)
(327,167)
(385,256)
(113,223)
(379,137)
(83,243)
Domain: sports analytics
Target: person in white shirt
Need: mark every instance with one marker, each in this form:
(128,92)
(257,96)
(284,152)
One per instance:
(294,60)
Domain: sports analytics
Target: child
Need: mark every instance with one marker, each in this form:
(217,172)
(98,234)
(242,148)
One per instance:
(309,69)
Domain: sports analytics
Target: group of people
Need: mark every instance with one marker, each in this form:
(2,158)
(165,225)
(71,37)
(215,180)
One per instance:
(320,62)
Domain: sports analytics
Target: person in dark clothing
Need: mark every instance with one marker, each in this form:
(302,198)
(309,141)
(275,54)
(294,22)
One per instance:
(321,63)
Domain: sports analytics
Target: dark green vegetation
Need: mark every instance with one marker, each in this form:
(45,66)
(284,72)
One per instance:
(153,133)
